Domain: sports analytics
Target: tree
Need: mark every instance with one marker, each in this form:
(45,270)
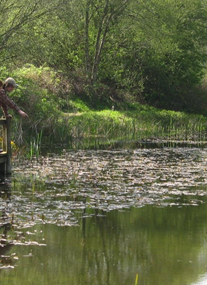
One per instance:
(103,16)
(14,16)
(154,49)
(167,52)
(95,21)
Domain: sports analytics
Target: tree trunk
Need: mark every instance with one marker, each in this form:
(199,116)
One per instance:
(99,43)
(87,57)
(102,33)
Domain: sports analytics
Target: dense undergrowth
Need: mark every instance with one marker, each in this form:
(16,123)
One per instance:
(62,111)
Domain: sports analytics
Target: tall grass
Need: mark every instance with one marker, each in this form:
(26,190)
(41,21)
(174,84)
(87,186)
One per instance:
(96,129)
(35,146)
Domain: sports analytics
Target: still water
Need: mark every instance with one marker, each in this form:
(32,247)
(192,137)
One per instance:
(101,217)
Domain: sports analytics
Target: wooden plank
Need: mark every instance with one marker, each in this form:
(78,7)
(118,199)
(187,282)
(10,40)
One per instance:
(5,155)
(2,121)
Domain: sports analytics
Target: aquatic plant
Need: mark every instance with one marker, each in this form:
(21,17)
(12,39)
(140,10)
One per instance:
(35,146)
(136,280)
(96,129)
(99,129)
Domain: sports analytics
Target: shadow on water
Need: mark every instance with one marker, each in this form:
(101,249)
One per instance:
(5,224)
(11,234)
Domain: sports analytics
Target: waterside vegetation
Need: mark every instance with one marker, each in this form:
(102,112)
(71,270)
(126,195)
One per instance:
(96,71)
(59,116)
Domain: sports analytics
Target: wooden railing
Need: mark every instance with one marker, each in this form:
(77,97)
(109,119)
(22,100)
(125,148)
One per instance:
(5,154)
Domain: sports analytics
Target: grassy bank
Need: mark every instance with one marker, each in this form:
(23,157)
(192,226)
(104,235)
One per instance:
(94,129)
(61,113)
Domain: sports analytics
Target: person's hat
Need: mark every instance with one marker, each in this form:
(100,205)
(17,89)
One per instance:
(11,81)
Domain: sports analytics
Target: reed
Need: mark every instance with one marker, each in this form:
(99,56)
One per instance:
(101,129)
(136,280)
(98,128)
(35,146)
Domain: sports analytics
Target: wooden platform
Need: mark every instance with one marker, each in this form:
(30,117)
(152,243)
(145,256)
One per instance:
(5,155)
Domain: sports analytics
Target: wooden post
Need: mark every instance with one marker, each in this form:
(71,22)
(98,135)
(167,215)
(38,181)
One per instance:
(5,154)
(8,143)
(4,135)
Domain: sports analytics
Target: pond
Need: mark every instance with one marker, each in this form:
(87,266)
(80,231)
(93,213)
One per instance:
(102,217)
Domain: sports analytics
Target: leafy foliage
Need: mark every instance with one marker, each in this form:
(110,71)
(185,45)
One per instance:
(99,50)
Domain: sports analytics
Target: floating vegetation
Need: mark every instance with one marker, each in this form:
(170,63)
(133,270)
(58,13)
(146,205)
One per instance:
(11,237)
(52,189)
(79,188)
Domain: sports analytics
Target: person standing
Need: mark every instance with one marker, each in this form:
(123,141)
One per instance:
(5,102)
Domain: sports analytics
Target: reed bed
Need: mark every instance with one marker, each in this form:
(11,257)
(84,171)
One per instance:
(105,128)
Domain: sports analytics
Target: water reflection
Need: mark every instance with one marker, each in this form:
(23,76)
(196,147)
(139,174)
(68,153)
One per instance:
(202,280)
(165,246)
(5,223)
(106,216)
(11,233)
